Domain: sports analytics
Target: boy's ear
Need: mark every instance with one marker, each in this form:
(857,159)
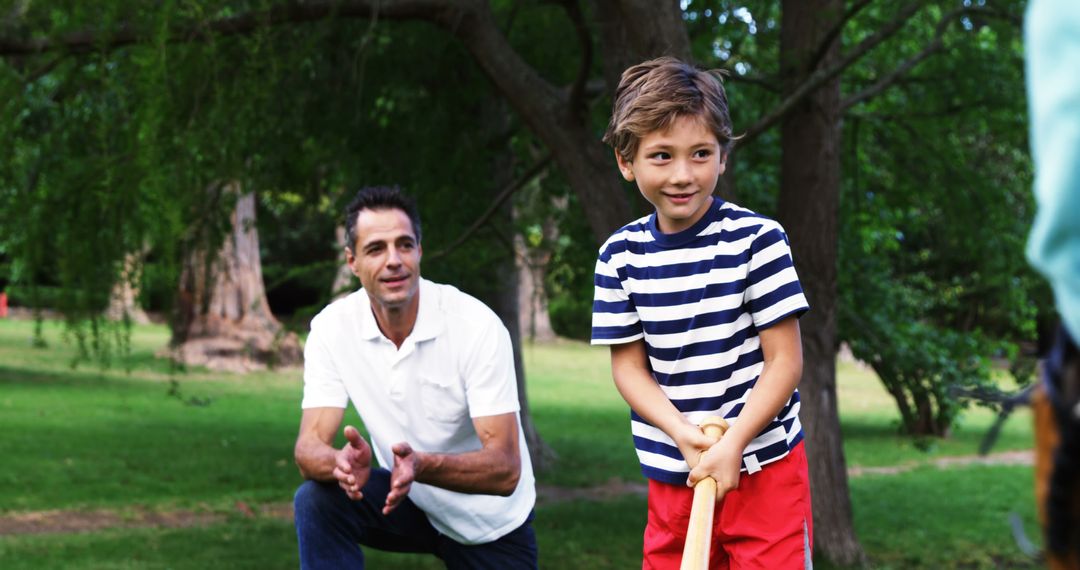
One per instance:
(625,167)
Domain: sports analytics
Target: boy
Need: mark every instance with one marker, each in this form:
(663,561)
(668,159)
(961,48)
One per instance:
(700,304)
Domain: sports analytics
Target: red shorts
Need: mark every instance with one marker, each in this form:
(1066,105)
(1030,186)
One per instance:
(764,523)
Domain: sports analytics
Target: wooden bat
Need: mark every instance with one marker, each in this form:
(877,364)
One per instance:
(699,532)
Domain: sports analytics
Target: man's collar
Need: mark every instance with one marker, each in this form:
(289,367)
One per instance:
(429,316)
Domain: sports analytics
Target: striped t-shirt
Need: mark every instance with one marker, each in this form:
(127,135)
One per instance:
(698,298)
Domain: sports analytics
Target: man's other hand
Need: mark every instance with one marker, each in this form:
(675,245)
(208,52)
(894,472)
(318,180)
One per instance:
(353,464)
(406,466)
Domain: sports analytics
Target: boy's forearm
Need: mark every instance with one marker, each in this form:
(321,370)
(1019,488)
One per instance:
(777,382)
(781,346)
(629,369)
(644,395)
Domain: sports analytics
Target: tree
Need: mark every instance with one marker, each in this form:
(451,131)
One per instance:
(223,319)
(124,300)
(936,208)
(814,53)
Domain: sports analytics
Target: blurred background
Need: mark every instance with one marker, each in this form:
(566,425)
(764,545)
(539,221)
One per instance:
(173,176)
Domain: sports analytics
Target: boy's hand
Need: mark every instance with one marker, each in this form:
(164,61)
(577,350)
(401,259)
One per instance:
(722,462)
(692,443)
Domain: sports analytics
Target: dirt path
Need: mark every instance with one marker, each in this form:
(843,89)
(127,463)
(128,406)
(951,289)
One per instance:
(72,521)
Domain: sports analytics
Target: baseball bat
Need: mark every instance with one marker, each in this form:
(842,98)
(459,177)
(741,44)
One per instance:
(699,531)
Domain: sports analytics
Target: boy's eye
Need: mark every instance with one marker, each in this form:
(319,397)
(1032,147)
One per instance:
(660,156)
(703,153)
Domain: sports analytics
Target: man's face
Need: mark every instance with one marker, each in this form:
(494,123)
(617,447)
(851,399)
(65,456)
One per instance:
(386,257)
(676,171)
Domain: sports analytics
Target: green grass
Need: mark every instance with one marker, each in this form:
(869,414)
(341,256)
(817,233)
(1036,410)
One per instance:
(82,438)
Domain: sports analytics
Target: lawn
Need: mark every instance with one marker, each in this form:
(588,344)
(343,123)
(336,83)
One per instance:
(85,439)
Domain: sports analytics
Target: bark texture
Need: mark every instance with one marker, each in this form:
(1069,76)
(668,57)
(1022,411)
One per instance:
(809,203)
(506,296)
(223,319)
(124,299)
(535,324)
(344,280)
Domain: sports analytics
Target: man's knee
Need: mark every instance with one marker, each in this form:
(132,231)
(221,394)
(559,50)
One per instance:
(313,497)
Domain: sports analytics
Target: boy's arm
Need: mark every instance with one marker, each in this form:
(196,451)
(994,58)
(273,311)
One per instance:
(633,379)
(781,346)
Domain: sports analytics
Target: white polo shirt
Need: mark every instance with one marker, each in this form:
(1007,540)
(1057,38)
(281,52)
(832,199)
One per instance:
(457,364)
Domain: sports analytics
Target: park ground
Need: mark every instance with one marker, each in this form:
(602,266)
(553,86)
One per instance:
(140,465)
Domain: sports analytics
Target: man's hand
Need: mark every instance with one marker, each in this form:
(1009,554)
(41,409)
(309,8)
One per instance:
(722,462)
(352,464)
(406,469)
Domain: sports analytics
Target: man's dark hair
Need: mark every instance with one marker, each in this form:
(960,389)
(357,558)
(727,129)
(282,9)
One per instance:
(379,198)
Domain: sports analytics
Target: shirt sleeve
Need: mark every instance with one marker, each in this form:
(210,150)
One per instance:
(1052,38)
(323,387)
(773,292)
(489,375)
(615,319)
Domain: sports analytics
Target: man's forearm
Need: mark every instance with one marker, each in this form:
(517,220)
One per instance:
(315,459)
(486,471)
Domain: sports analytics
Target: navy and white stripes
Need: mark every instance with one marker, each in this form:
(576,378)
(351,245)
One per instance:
(699,298)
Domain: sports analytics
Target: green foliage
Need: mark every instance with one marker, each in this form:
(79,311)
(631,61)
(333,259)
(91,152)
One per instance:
(111,151)
(102,440)
(935,211)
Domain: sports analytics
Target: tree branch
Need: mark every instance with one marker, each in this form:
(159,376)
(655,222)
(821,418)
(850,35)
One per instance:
(758,80)
(577,92)
(297,11)
(835,31)
(503,196)
(819,77)
(947,111)
(885,82)
(935,46)
(470,21)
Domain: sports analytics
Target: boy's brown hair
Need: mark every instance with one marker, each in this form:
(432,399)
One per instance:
(651,95)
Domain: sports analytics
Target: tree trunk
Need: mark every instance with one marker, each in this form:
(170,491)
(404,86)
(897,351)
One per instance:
(506,295)
(531,267)
(223,319)
(344,280)
(809,201)
(507,307)
(123,301)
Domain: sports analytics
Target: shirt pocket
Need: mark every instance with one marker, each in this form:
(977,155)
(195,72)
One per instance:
(443,398)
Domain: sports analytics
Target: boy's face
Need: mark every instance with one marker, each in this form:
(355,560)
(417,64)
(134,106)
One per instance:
(676,170)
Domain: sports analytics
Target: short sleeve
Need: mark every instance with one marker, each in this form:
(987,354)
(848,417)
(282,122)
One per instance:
(490,379)
(615,319)
(323,387)
(773,292)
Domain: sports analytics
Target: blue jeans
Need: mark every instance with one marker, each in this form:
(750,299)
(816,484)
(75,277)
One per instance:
(330,528)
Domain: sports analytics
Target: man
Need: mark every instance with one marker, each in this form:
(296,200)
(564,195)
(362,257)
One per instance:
(430,371)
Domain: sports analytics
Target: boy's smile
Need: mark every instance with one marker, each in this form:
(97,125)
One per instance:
(676,170)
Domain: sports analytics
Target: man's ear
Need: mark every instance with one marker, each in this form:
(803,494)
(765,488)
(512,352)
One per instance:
(625,167)
(350,257)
